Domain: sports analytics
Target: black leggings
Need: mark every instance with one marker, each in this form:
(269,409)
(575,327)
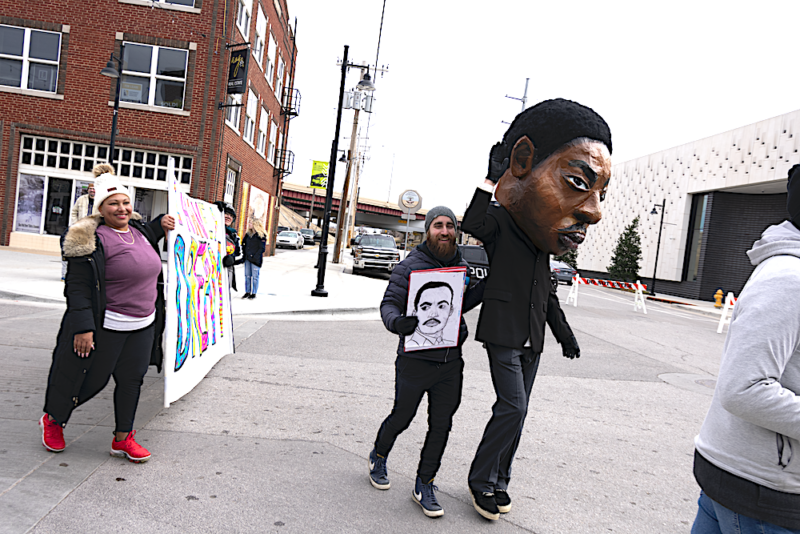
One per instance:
(125,356)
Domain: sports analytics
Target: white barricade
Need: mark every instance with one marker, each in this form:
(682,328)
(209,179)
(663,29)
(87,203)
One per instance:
(573,290)
(730,301)
(638,300)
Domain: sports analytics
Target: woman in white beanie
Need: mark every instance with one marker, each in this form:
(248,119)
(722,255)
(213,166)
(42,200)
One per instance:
(114,318)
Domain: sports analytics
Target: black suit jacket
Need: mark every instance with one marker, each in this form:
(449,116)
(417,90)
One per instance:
(518,298)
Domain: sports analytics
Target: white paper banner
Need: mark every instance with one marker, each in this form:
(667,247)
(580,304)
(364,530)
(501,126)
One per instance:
(199,329)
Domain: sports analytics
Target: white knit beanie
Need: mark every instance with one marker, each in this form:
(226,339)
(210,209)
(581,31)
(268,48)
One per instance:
(106,185)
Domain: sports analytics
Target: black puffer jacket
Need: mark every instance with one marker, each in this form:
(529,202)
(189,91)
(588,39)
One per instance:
(253,247)
(395,299)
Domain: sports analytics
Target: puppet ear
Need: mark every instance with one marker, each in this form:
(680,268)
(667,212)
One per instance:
(522,157)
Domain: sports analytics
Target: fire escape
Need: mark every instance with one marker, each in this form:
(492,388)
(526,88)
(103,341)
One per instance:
(290,108)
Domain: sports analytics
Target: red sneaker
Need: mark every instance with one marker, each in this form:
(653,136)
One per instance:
(130,449)
(52,434)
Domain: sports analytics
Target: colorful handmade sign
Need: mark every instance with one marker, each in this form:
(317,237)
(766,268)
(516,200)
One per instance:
(199,329)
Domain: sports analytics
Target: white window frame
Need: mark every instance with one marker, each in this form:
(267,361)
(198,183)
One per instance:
(163,4)
(154,77)
(26,60)
(261,31)
(273,132)
(244,15)
(278,146)
(269,69)
(263,125)
(230,185)
(250,118)
(279,80)
(233,114)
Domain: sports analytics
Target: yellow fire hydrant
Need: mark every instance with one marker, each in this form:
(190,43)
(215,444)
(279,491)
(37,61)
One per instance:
(718,297)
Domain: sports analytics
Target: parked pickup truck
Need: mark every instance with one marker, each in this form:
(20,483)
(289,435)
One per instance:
(478,261)
(375,251)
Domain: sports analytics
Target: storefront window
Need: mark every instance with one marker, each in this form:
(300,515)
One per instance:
(697,224)
(30,198)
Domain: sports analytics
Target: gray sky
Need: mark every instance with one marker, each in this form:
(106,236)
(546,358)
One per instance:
(661,74)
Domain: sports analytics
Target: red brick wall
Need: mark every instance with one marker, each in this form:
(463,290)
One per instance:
(254,168)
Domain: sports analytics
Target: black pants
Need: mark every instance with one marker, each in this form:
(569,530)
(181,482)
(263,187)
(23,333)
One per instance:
(413,378)
(123,355)
(513,373)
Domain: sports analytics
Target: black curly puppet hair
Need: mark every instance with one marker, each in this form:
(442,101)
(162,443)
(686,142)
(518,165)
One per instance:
(550,125)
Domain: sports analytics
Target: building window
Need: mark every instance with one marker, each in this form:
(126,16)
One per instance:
(697,224)
(187,3)
(59,155)
(279,81)
(263,122)
(261,32)
(29,58)
(233,112)
(273,134)
(153,75)
(269,69)
(243,17)
(278,149)
(250,117)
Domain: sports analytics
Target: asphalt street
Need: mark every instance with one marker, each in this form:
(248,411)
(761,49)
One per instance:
(276,437)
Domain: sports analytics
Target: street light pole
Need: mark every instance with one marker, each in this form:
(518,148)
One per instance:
(663,207)
(320,291)
(111,72)
(345,200)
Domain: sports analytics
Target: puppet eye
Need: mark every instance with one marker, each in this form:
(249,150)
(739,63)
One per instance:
(576,182)
(603,196)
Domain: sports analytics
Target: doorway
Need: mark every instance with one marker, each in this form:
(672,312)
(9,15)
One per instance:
(58,206)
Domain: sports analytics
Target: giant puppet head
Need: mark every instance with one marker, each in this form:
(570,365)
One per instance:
(553,165)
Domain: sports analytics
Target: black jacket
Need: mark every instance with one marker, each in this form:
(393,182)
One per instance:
(253,247)
(517,300)
(395,300)
(229,260)
(85,290)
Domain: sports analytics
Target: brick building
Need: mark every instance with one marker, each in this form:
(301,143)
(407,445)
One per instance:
(56,108)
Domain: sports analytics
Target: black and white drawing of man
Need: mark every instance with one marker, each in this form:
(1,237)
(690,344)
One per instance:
(433,306)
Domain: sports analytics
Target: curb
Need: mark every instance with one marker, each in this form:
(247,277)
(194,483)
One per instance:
(7,295)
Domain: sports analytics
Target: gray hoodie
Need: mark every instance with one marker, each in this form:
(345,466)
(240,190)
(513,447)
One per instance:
(752,429)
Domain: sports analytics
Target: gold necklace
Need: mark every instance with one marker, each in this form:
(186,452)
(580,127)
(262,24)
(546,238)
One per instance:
(133,237)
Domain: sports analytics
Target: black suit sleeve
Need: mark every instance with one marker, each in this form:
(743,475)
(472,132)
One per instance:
(557,320)
(477,222)
(473,296)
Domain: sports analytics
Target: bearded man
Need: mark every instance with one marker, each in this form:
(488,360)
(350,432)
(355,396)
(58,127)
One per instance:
(437,371)
(551,172)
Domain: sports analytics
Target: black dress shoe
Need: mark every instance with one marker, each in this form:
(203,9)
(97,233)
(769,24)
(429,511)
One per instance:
(485,504)
(503,501)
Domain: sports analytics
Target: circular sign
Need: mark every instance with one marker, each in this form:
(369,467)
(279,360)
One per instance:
(410,201)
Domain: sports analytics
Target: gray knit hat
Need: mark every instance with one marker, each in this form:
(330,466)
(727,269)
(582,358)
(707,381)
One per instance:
(438,211)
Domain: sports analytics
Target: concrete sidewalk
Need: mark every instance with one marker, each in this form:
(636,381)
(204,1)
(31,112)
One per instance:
(286,281)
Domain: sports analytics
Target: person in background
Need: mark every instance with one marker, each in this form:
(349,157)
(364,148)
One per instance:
(83,208)
(231,242)
(747,455)
(114,320)
(254,244)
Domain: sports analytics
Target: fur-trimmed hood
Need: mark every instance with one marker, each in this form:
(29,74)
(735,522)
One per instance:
(81,238)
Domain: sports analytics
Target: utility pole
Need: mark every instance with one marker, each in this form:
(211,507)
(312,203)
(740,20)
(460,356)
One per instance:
(524,98)
(353,210)
(337,250)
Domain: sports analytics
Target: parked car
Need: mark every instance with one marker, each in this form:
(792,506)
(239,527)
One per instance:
(353,242)
(308,235)
(283,229)
(478,262)
(290,239)
(375,251)
(562,271)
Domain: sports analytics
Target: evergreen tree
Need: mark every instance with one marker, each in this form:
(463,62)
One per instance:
(627,255)
(570,258)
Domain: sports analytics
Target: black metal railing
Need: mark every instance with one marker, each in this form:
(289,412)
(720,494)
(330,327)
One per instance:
(290,104)
(284,162)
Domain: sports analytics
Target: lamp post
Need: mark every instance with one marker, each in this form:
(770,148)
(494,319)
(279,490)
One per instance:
(320,291)
(111,72)
(663,206)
